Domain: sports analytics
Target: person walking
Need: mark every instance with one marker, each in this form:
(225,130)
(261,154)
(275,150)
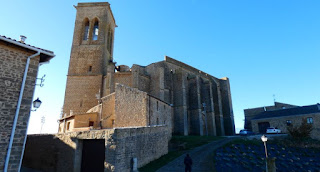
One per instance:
(187,163)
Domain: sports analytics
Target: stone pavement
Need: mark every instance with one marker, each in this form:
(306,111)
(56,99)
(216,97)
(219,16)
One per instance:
(202,158)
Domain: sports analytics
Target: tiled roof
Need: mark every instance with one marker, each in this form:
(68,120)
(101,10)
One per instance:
(289,112)
(4,38)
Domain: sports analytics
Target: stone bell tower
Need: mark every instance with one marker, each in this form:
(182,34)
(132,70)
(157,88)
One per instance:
(91,66)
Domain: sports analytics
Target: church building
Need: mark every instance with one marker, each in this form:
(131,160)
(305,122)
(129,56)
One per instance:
(102,95)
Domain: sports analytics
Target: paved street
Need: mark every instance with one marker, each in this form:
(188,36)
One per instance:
(202,158)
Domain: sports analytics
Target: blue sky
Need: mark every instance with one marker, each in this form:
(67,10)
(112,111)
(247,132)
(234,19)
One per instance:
(265,47)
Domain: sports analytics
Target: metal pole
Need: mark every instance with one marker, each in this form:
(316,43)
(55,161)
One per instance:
(265,149)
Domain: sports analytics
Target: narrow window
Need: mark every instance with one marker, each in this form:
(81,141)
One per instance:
(68,125)
(157,106)
(81,103)
(309,120)
(112,121)
(95,31)
(90,69)
(110,41)
(289,122)
(157,121)
(86,31)
(91,123)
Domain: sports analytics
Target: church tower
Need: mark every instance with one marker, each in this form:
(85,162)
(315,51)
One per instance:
(91,66)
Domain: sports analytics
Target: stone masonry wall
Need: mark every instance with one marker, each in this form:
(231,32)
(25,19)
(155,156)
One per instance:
(227,109)
(12,65)
(160,113)
(82,120)
(90,60)
(108,111)
(49,153)
(63,152)
(144,143)
(81,93)
(131,107)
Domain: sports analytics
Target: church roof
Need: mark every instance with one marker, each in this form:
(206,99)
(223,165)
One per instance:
(302,110)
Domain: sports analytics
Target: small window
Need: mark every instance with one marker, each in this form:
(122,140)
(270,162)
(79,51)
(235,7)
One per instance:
(90,69)
(157,106)
(157,121)
(86,31)
(309,120)
(289,122)
(68,125)
(81,103)
(164,107)
(112,121)
(95,32)
(91,123)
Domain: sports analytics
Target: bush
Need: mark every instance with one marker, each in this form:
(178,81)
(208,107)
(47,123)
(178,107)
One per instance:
(301,132)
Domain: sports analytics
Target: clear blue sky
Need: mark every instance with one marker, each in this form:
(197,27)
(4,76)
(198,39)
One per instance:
(265,47)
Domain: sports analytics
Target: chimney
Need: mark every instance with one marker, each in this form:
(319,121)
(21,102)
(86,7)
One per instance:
(22,38)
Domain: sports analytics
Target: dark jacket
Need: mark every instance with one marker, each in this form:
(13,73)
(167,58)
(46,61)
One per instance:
(188,161)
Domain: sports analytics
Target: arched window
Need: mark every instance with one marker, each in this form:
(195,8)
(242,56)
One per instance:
(86,30)
(95,31)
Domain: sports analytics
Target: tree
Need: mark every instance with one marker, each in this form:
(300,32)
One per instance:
(302,131)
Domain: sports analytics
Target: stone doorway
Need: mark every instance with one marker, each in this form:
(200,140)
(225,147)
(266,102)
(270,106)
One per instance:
(93,155)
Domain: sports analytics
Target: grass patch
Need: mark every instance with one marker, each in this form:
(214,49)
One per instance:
(244,142)
(193,141)
(189,143)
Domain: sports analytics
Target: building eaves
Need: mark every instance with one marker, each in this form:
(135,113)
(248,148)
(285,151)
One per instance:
(289,112)
(45,55)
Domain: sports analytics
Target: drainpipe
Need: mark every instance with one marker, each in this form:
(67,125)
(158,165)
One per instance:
(17,113)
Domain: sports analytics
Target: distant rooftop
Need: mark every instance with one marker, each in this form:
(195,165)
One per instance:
(302,110)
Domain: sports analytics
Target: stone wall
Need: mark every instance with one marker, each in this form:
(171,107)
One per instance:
(227,109)
(187,88)
(63,152)
(281,123)
(131,107)
(49,153)
(108,111)
(124,78)
(159,112)
(144,143)
(12,66)
(82,120)
(91,66)
(81,93)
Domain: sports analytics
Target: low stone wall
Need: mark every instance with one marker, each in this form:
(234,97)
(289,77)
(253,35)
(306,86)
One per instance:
(144,143)
(62,152)
(49,153)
